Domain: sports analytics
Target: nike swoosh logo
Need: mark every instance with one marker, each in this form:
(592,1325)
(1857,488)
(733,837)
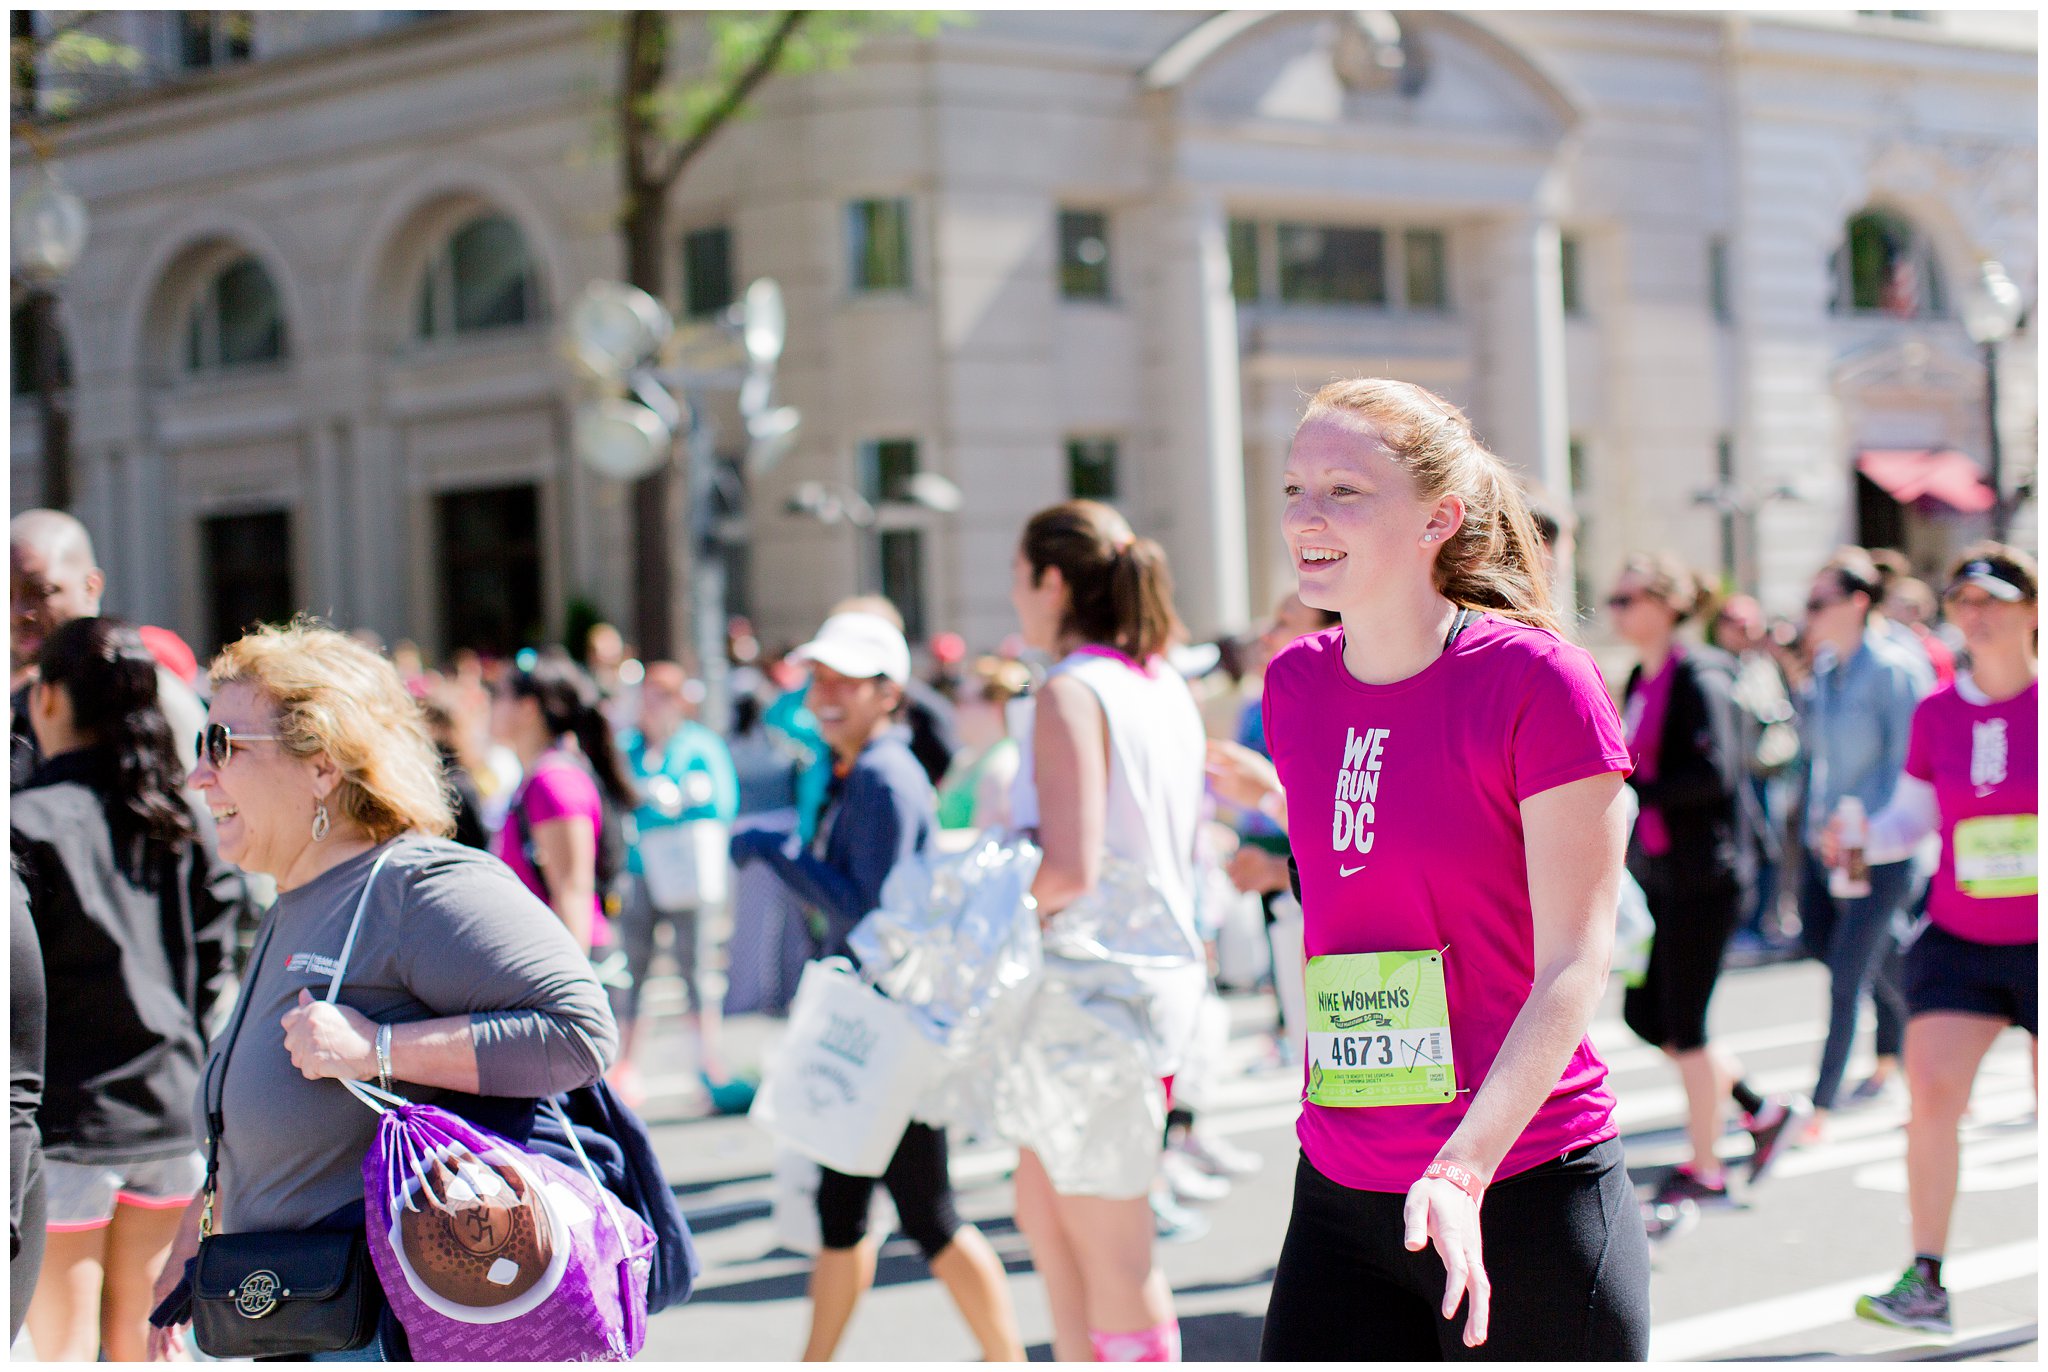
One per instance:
(1348,871)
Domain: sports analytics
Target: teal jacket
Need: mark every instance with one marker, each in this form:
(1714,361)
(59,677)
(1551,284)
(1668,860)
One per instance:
(693,752)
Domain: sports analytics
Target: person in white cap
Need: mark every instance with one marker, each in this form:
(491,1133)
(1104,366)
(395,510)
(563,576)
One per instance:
(879,811)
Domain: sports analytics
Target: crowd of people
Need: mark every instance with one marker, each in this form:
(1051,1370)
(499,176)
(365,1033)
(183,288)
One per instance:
(517,842)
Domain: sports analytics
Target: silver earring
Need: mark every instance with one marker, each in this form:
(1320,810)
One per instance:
(321,824)
(1429,538)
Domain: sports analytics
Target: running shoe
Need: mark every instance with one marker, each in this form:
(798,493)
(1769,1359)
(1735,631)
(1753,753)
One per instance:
(1219,1157)
(1666,1221)
(1682,1185)
(1768,1129)
(1912,1303)
(1188,1181)
(1173,1222)
(1868,1092)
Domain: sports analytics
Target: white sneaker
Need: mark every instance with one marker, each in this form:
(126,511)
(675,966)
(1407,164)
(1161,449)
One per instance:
(1219,1157)
(1189,1181)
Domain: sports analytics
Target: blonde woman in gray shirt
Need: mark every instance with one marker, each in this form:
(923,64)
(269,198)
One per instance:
(461,987)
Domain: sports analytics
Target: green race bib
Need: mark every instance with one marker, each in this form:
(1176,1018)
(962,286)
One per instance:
(1996,856)
(1379,1030)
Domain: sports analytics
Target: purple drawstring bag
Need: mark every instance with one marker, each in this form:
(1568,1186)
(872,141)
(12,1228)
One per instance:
(491,1253)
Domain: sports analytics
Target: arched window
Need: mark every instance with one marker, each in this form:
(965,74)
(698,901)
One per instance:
(482,278)
(1886,266)
(28,346)
(237,321)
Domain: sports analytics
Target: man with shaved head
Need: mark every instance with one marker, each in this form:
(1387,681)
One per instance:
(52,580)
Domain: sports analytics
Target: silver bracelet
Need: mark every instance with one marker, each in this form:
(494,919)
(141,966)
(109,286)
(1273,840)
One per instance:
(384,1056)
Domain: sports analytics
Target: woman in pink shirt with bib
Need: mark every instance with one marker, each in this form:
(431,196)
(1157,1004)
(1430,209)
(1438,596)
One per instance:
(1973,775)
(1453,771)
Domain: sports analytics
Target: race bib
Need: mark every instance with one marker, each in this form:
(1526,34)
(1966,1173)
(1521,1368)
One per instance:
(1996,856)
(1379,1030)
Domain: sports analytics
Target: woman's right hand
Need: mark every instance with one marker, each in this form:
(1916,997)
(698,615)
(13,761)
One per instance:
(168,1343)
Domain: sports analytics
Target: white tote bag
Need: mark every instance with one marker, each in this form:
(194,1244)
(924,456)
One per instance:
(841,1087)
(685,864)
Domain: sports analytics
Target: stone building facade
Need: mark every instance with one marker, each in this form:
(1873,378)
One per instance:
(1689,269)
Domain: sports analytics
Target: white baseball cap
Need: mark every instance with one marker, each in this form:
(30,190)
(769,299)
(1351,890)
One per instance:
(859,645)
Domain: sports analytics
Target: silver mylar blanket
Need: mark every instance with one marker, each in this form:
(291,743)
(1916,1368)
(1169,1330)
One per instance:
(1054,1039)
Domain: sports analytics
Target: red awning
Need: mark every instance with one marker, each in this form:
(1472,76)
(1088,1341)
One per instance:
(1910,474)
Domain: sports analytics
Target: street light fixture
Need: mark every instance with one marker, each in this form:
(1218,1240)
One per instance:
(834,502)
(50,230)
(616,334)
(1990,313)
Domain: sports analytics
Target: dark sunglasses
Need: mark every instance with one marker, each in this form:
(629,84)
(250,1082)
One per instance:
(216,743)
(1815,605)
(1622,602)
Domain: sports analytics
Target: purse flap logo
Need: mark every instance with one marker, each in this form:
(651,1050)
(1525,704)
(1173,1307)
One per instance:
(258,1294)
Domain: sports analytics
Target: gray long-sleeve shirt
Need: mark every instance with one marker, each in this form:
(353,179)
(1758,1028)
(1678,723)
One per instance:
(1856,716)
(448,931)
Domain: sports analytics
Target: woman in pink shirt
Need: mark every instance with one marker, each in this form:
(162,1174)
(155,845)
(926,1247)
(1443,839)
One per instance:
(1973,759)
(554,836)
(1453,772)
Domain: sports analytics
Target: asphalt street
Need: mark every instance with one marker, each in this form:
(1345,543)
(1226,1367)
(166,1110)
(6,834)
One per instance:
(1773,1279)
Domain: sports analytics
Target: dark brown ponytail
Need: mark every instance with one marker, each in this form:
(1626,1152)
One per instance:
(1119,587)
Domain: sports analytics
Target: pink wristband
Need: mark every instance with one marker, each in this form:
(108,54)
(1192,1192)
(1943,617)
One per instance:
(1459,1176)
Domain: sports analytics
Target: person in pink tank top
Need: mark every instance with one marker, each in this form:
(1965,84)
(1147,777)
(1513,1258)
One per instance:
(1453,772)
(1972,775)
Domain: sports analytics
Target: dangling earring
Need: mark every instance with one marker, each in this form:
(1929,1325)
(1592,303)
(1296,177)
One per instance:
(320,822)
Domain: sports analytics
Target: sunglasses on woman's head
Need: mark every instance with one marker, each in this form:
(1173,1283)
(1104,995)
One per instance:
(216,743)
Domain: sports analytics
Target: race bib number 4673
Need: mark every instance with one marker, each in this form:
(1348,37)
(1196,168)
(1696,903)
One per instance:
(1379,1030)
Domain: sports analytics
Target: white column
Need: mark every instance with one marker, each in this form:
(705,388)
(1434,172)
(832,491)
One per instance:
(323,525)
(1196,397)
(1526,419)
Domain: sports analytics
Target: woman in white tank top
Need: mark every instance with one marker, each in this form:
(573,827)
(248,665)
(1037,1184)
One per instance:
(1112,767)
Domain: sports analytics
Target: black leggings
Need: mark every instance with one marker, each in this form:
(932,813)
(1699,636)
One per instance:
(1696,916)
(917,1182)
(1564,1251)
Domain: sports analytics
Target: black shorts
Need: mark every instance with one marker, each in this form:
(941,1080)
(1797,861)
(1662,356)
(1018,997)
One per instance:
(1999,980)
(1565,1255)
(1695,919)
(919,1184)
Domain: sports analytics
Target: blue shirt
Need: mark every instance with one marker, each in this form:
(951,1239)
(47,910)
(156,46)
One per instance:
(700,765)
(1854,720)
(881,813)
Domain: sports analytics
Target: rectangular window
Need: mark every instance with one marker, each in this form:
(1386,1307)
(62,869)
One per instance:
(214,38)
(1322,265)
(1091,468)
(490,569)
(1568,273)
(1084,255)
(251,317)
(1428,269)
(901,553)
(248,572)
(886,466)
(1719,287)
(1244,260)
(707,271)
(878,244)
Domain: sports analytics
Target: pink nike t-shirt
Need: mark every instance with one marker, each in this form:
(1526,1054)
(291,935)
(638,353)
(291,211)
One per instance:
(1404,816)
(1983,759)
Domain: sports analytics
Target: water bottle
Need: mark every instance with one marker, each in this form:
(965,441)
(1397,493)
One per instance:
(1850,879)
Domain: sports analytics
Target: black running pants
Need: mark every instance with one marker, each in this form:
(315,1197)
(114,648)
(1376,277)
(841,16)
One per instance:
(1564,1250)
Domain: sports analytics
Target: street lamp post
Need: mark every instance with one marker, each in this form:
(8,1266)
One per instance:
(834,502)
(50,226)
(1990,313)
(618,334)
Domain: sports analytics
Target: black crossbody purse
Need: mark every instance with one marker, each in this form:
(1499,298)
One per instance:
(285,1291)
